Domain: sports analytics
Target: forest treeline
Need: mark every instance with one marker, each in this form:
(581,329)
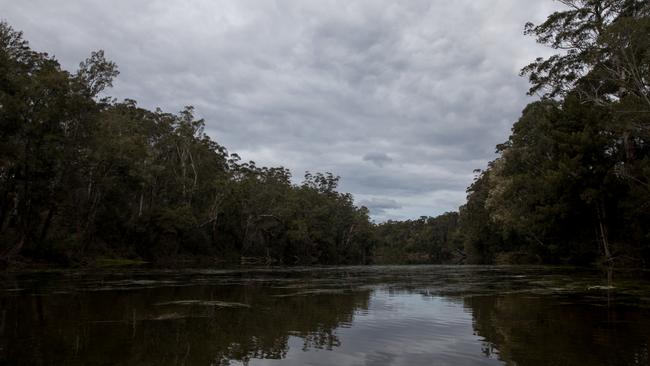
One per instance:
(84,176)
(572,183)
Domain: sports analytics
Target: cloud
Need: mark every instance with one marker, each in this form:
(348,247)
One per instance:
(421,90)
(379,206)
(378,159)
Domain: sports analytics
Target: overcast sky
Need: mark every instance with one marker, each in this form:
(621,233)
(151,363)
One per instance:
(402,99)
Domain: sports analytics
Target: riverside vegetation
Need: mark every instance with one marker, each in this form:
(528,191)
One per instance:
(84,176)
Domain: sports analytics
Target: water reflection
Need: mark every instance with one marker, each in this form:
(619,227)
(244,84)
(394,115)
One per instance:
(147,327)
(561,331)
(326,316)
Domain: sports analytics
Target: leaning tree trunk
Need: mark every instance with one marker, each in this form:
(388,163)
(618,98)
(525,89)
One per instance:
(602,231)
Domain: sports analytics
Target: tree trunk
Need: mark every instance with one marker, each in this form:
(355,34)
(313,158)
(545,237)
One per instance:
(602,229)
(628,147)
(10,206)
(47,222)
(214,229)
(15,250)
(141,203)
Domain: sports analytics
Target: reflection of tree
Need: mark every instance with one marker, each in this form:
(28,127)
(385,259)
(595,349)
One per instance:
(92,328)
(551,331)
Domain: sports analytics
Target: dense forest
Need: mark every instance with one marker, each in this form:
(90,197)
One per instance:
(572,183)
(84,176)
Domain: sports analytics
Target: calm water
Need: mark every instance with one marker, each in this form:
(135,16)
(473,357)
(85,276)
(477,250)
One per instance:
(420,315)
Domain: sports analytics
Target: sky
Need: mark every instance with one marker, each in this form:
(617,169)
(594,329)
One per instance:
(401,99)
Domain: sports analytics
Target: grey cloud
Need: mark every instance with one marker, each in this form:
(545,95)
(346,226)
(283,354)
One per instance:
(378,159)
(314,85)
(378,206)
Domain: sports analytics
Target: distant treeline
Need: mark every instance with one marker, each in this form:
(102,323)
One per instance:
(83,177)
(425,240)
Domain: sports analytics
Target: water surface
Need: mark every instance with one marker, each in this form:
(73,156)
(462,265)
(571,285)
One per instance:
(388,315)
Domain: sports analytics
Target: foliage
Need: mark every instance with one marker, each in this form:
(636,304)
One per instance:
(571,183)
(83,177)
(426,240)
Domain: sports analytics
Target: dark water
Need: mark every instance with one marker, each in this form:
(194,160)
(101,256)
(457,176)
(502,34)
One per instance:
(422,315)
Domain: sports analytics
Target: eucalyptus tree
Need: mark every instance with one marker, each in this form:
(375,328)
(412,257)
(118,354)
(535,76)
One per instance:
(48,116)
(603,61)
(602,51)
(603,57)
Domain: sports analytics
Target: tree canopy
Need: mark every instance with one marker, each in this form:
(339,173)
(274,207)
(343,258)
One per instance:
(82,177)
(571,184)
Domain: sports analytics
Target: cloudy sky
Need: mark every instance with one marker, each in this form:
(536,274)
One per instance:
(402,99)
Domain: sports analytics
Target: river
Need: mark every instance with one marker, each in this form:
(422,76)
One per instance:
(359,315)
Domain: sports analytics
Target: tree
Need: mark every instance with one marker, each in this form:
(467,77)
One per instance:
(603,45)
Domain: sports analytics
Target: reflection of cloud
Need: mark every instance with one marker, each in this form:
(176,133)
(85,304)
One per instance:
(314,85)
(379,358)
(400,329)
